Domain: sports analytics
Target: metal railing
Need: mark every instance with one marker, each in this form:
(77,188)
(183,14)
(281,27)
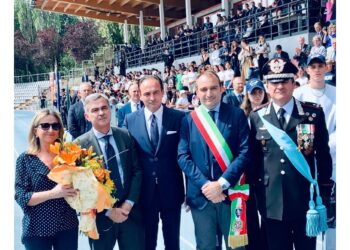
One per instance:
(284,20)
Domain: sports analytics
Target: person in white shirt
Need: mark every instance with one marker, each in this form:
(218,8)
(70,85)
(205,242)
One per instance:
(301,77)
(317,49)
(319,92)
(214,55)
(228,76)
(133,104)
(331,51)
(182,102)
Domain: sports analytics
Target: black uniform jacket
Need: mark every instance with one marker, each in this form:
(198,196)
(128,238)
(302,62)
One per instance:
(282,192)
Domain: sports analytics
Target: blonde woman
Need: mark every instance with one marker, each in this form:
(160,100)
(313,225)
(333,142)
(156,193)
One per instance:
(245,58)
(48,221)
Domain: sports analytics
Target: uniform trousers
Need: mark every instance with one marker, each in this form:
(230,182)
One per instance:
(282,235)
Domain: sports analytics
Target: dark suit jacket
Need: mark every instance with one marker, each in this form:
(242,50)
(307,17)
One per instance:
(131,168)
(193,154)
(126,109)
(231,99)
(161,164)
(283,55)
(285,195)
(76,120)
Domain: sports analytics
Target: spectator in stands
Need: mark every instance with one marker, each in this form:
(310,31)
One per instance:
(330,76)
(215,55)
(228,76)
(235,98)
(318,30)
(302,52)
(228,35)
(224,53)
(77,124)
(85,77)
(280,53)
(328,35)
(260,8)
(253,9)
(331,51)
(43,101)
(204,57)
(301,76)
(48,221)
(245,58)
(179,75)
(238,34)
(182,102)
(263,25)
(318,48)
(262,51)
(234,52)
(240,13)
(208,26)
(249,31)
(192,76)
(96,72)
(168,58)
(254,71)
(221,73)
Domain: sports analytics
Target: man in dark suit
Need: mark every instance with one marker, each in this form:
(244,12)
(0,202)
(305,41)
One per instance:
(123,222)
(77,124)
(133,105)
(280,53)
(155,129)
(283,193)
(206,183)
(235,98)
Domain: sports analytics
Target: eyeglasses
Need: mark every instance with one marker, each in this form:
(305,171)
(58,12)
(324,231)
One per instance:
(46,126)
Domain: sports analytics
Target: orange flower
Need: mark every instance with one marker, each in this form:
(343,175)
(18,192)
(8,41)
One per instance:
(100,174)
(55,148)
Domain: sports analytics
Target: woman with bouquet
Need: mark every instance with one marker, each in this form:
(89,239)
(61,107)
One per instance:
(48,222)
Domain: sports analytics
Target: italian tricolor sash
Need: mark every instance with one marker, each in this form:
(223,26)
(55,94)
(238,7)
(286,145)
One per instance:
(240,192)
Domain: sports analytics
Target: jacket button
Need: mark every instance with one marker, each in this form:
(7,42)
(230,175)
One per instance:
(260,179)
(282,160)
(283,172)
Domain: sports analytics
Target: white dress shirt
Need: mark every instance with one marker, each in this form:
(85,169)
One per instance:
(288,107)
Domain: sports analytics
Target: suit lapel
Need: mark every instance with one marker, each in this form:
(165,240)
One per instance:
(271,117)
(165,122)
(222,119)
(121,150)
(143,131)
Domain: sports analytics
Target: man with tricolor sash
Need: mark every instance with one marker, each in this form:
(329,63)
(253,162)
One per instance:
(213,153)
(292,165)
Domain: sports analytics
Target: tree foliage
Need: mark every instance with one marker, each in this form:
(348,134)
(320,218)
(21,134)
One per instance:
(82,39)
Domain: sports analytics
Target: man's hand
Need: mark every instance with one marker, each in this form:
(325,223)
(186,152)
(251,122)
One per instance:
(118,215)
(213,191)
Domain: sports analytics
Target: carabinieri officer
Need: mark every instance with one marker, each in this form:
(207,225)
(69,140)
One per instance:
(288,139)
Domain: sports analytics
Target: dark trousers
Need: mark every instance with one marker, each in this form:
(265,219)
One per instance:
(282,235)
(171,218)
(65,240)
(129,234)
(206,222)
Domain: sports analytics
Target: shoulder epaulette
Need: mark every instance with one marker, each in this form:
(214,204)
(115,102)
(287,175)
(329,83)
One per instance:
(310,104)
(261,106)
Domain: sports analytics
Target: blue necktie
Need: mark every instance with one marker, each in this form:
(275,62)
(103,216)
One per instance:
(154,132)
(112,165)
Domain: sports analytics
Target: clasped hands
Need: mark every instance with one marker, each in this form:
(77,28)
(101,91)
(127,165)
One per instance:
(212,191)
(120,214)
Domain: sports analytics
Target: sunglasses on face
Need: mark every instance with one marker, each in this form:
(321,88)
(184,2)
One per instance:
(46,126)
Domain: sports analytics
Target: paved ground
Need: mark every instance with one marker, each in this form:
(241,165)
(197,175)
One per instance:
(22,121)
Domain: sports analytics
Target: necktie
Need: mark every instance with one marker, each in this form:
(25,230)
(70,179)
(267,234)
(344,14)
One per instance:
(112,165)
(282,119)
(154,132)
(137,106)
(212,114)
(239,97)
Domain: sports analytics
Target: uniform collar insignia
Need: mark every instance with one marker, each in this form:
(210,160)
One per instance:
(299,107)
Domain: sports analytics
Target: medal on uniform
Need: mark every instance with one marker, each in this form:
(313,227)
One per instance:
(305,137)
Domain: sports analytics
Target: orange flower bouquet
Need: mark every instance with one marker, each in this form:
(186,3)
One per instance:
(82,169)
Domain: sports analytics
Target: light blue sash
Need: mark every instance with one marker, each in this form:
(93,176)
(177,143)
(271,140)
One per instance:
(289,148)
(316,217)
